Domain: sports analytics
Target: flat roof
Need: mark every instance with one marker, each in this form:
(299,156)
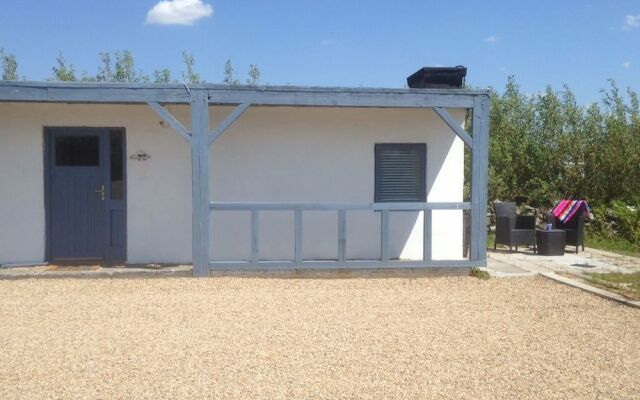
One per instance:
(128,93)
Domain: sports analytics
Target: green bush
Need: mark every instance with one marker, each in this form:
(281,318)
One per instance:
(617,220)
(546,147)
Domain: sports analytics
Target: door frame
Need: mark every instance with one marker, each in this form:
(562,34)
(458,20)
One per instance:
(47,133)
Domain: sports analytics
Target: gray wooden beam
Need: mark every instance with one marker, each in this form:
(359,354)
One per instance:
(171,120)
(78,92)
(479,179)
(357,264)
(228,121)
(200,181)
(341,98)
(340,206)
(454,125)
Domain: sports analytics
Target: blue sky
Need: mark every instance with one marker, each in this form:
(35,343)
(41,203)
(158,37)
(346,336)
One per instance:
(344,42)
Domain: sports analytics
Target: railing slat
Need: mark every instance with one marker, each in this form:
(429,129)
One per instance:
(426,235)
(342,235)
(384,234)
(298,235)
(255,228)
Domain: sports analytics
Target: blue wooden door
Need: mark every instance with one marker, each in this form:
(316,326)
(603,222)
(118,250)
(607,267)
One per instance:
(84,223)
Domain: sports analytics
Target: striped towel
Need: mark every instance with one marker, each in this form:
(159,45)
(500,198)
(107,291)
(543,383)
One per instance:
(565,210)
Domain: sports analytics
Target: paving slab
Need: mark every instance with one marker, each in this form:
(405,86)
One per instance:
(502,269)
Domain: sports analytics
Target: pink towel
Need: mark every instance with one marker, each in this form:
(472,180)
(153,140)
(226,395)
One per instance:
(565,210)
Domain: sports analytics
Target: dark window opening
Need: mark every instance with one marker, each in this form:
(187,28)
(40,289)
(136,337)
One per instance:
(77,151)
(116,150)
(400,172)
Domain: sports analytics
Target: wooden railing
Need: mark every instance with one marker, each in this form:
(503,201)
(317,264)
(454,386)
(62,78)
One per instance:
(341,262)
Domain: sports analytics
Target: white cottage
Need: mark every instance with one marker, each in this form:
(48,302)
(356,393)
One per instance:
(240,177)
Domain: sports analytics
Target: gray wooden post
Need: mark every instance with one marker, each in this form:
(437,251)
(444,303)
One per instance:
(479,179)
(200,180)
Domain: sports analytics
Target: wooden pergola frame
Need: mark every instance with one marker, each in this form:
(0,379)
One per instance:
(200,137)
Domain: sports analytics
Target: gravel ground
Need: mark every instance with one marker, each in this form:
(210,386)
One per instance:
(314,338)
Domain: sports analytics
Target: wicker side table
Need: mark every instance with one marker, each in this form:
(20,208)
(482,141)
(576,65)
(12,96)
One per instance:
(550,242)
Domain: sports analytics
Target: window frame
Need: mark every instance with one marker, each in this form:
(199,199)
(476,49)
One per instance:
(422,160)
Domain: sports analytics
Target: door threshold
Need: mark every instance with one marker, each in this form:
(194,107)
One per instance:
(77,262)
(72,268)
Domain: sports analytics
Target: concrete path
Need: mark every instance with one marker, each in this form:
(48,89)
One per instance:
(566,269)
(503,262)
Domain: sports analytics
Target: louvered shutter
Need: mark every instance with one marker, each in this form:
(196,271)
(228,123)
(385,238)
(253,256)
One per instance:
(400,172)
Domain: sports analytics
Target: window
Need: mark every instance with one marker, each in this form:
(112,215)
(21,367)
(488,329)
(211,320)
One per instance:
(77,151)
(400,172)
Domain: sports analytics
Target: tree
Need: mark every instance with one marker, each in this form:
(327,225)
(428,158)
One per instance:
(190,76)
(125,69)
(511,164)
(63,72)
(9,66)
(254,75)
(228,74)
(547,147)
(162,76)
(85,77)
(105,72)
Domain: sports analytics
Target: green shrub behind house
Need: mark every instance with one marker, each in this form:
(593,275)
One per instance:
(546,147)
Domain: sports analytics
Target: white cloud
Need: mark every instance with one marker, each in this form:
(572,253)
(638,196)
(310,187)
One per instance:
(491,39)
(626,64)
(632,21)
(178,12)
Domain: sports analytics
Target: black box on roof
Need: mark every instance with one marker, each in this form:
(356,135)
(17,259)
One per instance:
(438,77)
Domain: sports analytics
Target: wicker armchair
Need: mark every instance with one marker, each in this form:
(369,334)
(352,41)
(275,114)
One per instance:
(513,229)
(574,229)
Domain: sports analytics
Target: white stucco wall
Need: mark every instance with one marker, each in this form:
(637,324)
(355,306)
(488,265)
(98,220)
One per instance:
(271,154)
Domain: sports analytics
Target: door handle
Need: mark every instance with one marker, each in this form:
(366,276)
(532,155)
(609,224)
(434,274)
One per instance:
(101,191)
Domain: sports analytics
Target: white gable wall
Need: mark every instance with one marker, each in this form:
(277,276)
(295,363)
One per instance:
(272,154)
